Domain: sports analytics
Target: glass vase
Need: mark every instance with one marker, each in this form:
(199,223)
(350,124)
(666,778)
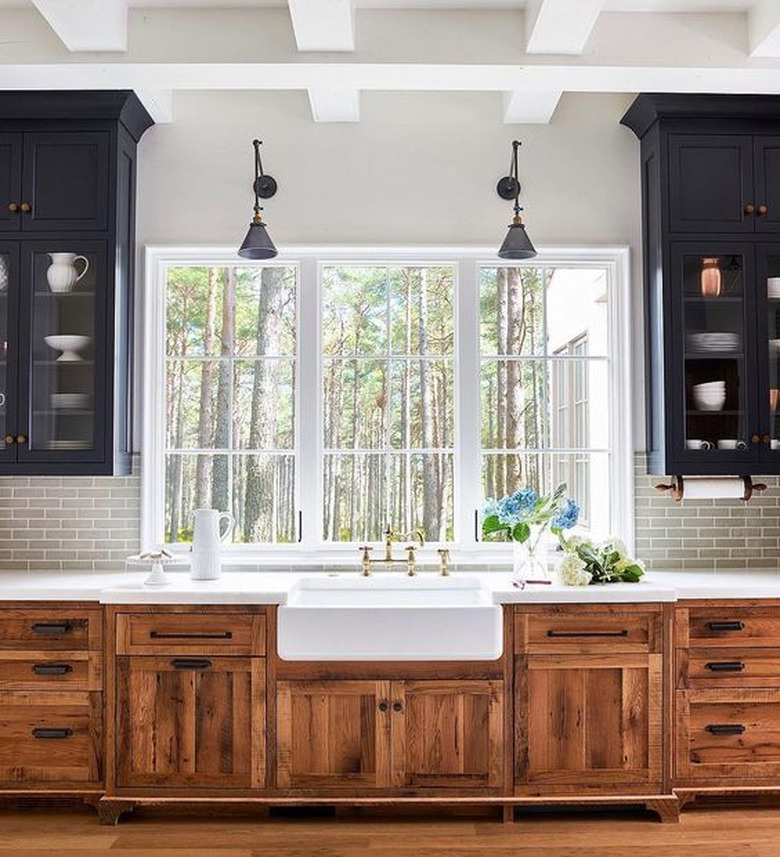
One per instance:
(529,560)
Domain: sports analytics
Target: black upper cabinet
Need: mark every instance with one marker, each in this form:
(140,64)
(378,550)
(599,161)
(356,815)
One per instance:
(711,214)
(67,203)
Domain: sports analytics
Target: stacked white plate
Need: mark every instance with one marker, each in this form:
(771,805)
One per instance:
(714,341)
(710,396)
(773,288)
(69,401)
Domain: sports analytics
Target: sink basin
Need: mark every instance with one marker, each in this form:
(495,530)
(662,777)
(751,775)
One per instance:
(390,619)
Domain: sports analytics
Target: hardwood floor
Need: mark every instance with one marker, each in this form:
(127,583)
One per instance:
(740,832)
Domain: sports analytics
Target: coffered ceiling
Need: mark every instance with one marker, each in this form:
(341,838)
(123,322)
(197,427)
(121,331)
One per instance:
(523,53)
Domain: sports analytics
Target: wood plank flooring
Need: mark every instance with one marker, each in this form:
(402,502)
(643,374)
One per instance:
(739,832)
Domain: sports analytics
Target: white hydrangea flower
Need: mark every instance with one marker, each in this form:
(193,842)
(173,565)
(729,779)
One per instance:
(572,571)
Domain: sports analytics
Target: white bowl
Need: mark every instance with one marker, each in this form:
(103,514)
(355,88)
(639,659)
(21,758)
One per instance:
(709,402)
(69,401)
(69,345)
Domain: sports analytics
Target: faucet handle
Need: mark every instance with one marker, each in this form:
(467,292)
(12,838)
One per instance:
(444,557)
(366,559)
(411,560)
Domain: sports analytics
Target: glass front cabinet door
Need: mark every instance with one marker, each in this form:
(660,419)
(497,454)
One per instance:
(715,346)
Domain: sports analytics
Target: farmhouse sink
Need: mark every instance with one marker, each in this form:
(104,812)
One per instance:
(390,619)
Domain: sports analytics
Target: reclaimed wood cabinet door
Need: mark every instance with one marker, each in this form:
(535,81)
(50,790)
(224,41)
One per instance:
(589,722)
(333,734)
(190,722)
(447,734)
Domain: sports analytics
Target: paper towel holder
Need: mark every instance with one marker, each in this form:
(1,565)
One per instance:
(677,488)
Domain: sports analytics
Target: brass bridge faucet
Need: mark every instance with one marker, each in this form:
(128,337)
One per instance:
(411,553)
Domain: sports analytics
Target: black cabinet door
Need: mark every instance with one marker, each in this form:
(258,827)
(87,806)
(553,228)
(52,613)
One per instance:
(768,350)
(10,181)
(713,424)
(9,349)
(64,406)
(65,181)
(766,161)
(711,183)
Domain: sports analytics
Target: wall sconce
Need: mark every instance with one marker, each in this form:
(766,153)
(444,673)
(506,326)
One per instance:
(710,279)
(517,244)
(258,244)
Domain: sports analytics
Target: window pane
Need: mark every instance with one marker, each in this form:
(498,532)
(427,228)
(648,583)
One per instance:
(421,310)
(354,498)
(264,498)
(192,390)
(515,404)
(421,494)
(586,476)
(354,310)
(194,310)
(579,403)
(422,397)
(193,482)
(355,392)
(512,310)
(265,311)
(577,309)
(265,404)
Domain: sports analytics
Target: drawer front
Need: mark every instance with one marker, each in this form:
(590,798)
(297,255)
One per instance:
(49,671)
(712,627)
(42,629)
(728,734)
(728,667)
(49,738)
(583,632)
(190,633)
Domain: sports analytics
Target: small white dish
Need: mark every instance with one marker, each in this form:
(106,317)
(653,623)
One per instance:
(69,345)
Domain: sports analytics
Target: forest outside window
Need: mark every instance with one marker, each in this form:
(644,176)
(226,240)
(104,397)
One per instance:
(321,398)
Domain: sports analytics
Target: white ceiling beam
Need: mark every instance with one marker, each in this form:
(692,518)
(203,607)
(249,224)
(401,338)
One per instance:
(521,108)
(335,105)
(764,29)
(560,26)
(87,25)
(323,25)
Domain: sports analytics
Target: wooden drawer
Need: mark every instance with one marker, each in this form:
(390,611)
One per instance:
(728,667)
(586,629)
(50,671)
(201,633)
(728,735)
(54,629)
(724,626)
(49,738)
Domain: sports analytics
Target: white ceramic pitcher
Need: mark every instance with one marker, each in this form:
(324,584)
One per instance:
(206,542)
(62,275)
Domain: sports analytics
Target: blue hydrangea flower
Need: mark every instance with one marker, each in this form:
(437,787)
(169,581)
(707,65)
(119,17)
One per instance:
(492,507)
(515,507)
(567,516)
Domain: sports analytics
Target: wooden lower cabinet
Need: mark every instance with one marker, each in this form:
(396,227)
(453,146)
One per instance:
(186,721)
(407,734)
(588,723)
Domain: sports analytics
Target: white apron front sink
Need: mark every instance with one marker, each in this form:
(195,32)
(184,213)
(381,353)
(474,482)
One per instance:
(388,618)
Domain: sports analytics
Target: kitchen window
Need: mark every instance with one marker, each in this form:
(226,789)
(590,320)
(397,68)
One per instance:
(322,397)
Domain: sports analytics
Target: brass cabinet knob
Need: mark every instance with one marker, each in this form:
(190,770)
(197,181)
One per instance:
(766,438)
(754,438)
(750,208)
(21,438)
(9,439)
(25,206)
(760,211)
(12,206)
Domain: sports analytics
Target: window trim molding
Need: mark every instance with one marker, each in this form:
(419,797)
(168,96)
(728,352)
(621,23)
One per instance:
(308,259)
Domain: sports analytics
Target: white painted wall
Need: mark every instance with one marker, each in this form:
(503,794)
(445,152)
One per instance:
(420,168)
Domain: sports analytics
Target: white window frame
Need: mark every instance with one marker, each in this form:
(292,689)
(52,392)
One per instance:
(309,261)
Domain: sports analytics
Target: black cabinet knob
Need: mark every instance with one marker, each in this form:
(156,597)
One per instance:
(397,706)
(383,706)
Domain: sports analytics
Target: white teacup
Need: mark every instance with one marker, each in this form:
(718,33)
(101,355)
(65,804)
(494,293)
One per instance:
(731,443)
(775,444)
(698,444)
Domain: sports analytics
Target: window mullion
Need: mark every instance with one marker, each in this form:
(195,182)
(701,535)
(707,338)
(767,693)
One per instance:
(468,458)
(309,405)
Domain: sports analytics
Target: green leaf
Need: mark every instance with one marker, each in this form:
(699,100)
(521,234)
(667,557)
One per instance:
(521,532)
(491,524)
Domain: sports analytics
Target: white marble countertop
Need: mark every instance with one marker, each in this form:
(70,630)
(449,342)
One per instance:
(273,587)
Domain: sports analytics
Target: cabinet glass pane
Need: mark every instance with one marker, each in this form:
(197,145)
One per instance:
(5,273)
(63,350)
(716,394)
(772,354)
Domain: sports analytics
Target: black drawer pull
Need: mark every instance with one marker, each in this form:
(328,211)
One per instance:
(190,663)
(52,733)
(623,633)
(726,728)
(726,626)
(196,635)
(726,666)
(52,669)
(51,627)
